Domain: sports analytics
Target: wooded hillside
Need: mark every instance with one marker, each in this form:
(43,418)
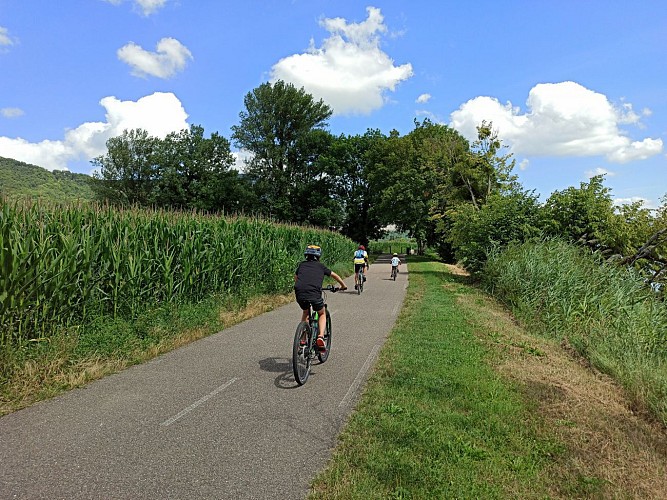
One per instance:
(23,180)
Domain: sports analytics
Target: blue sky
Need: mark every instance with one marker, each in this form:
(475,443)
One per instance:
(573,87)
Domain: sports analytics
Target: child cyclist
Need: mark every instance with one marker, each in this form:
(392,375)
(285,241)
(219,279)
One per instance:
(308,279)
(360,261)
(395,262)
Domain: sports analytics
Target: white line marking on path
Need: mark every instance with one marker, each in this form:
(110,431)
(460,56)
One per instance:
(394,312)
(357,381)
(198,402)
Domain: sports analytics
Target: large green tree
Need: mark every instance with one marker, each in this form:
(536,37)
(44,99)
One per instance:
(586,214)
(277,127)
(185,170)
(196,172)
(412,174)
(350,159)
(126,174)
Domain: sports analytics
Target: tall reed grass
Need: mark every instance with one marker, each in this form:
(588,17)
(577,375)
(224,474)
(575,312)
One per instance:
(63,265)
(604,311)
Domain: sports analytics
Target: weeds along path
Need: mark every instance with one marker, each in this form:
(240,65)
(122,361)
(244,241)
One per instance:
(219,418)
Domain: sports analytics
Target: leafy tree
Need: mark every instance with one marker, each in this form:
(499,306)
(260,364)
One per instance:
(312,182)
(128,171)
(274,127)
(644,237)
(585,214)
(412,174)
(483,170)
(350,159)
(195,172)
(504,218)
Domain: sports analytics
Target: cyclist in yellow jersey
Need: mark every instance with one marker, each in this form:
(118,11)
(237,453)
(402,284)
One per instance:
(360,261)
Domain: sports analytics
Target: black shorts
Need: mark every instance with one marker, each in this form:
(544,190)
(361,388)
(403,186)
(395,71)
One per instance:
(306,303)
(358,267)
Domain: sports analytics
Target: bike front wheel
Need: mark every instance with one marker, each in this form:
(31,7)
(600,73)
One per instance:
(301,353)
(323,356)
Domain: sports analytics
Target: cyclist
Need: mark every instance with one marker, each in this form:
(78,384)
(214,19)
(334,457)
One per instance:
(360,261)
(395,262)
(308,280)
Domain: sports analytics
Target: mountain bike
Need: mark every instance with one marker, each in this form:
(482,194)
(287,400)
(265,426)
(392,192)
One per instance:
(362,278)
(394,272)
(304,348)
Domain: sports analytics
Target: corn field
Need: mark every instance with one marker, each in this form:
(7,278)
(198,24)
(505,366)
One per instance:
(63,265)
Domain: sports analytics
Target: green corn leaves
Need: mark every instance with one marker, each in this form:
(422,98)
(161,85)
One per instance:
(62,265)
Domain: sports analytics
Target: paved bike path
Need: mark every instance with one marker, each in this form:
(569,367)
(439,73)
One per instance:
(220,418)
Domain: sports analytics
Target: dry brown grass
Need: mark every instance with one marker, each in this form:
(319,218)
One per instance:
(255,307)
(624,452)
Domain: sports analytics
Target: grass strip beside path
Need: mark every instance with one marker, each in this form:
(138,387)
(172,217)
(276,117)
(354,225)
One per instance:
(436,420)
(465,403)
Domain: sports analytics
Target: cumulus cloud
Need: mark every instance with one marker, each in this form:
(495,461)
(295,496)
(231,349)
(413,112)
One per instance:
(159,114)
(147,7)
(170,58)
(241,158)
(600,171)
(423,98)
(563,119)
(634,199)
(5,39)
(349,72)
(11,112)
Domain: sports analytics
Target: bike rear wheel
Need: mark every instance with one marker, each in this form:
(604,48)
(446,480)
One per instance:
(301,353)
(323,356)
(393,274)
(360,287)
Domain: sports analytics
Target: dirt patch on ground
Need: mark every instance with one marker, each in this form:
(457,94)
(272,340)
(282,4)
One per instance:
(621,453)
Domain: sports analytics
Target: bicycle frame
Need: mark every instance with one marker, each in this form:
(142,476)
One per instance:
(303,353)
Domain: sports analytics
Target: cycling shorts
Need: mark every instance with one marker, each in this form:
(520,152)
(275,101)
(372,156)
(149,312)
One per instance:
(305,304)
(359,267)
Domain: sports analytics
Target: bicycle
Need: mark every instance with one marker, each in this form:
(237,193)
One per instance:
(361,279)
(394,272)
(304,348)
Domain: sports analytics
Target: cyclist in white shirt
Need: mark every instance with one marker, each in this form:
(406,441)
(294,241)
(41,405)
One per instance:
(395,262)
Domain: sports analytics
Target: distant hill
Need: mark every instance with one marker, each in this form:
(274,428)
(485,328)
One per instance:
(22,180)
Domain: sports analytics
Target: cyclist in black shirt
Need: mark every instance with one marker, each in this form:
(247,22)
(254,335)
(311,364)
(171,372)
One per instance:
(308,279)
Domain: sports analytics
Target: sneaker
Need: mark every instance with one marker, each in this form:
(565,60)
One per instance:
(321,344)
(356,286)
(364,279)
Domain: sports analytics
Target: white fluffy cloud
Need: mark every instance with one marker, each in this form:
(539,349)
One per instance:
(170,57)
(563,119)
(349,72)
(147,7)
(159,114)
(5,39)
(600,171)
(634,199)
(11,112)
(424,98)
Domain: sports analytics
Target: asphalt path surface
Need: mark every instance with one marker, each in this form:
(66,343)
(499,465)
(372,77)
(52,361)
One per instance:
(220,418)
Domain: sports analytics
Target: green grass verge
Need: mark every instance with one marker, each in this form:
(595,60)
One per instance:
(435,420)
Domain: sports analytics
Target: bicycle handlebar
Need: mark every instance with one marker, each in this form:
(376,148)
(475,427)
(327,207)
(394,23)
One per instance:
(330,288)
